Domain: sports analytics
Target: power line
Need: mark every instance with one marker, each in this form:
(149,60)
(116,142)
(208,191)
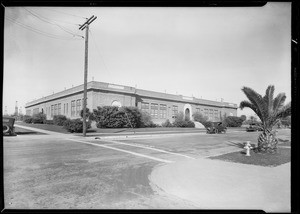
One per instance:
(66,13)
(98,51)
(45,20)
(39,31)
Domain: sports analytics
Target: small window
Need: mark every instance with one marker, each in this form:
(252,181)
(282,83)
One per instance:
(154,110)
(163,111)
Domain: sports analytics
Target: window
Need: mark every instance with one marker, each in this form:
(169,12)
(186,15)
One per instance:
(145,107)
(67,106)
(78,107)
(198,110)
(73,108)
(211,114)
(28,112)
(35,111)
(206,112)
(52,110)
(59,108)
(163,111)
(174,111)
(216,115)
(64,108)
(154,110)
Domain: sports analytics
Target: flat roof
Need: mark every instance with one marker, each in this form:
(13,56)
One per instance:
(94,85)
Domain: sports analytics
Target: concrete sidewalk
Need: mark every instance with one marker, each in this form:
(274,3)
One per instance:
(215,184)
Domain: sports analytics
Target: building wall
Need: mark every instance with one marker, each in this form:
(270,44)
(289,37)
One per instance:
(106,98)
(160,106)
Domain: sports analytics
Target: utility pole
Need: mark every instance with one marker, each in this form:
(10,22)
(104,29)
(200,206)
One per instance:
(86,27)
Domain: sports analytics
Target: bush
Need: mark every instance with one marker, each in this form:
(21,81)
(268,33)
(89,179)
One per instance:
(27,119)
(200,118)
(39,118)
(207,124)
(114,117)
(147,120)
(75,125)
(167,123)
(59,120)
(49,122)
(89,115)
(180,121)
(232,121)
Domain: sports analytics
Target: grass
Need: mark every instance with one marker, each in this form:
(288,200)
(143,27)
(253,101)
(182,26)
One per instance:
(60,129)
(282,156)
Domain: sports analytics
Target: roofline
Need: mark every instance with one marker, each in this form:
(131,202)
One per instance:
(115,88)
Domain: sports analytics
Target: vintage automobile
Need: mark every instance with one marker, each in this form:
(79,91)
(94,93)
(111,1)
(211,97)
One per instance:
(254,128)
(8,125)
(216,127)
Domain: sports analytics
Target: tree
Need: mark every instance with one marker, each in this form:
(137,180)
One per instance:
(243,117)
(269,110)
(200,117)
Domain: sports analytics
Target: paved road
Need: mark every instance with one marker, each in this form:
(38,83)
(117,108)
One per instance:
(67,171)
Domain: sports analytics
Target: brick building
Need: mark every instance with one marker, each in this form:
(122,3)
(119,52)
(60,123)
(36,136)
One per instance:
(161,106)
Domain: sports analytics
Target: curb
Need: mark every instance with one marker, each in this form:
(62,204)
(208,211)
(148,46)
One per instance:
(146,136)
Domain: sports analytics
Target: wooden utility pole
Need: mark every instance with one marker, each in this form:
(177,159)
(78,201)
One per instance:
(86,27)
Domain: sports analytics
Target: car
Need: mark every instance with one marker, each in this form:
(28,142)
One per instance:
(254,128)
(216,127)
(8,125)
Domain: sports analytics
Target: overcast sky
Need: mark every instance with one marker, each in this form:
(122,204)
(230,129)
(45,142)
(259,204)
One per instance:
(209,53)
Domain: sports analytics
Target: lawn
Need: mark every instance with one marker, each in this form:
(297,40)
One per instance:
(282,156)
(60,129)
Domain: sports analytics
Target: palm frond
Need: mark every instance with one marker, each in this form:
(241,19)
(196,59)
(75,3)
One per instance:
(258,101)
(279,102)
(247,104)
(285,111)
(268,98)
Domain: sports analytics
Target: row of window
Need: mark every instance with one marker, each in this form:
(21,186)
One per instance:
(155,110)
(212,114)
(56,109)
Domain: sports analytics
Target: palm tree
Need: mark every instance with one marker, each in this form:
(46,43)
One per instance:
(270,110)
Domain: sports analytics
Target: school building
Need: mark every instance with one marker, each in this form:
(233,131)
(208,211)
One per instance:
(161,106)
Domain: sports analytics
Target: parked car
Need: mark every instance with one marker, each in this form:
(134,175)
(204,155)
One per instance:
(8,125)
(216,127)
(254,128)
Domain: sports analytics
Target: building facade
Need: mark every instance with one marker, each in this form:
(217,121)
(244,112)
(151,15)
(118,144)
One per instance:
(161,106)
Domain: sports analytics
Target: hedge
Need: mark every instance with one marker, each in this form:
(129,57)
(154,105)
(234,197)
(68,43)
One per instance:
(39,118)
(27,119)
(180,121)
(75,125)
(59,120)
(114,117)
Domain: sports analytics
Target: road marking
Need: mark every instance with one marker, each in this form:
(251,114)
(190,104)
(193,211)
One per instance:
(122,150)
(150,148)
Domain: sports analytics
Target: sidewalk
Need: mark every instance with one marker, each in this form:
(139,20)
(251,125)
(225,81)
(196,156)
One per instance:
(215,184)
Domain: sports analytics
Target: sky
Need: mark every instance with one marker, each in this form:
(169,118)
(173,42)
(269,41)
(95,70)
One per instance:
(208,53)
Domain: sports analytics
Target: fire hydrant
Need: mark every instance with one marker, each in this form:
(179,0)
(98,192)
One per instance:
(248,147)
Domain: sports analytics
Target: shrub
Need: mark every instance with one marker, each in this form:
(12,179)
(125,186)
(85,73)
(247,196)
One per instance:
(49,122)
(146,120)
(27,119)
(75,125)
(167,123)
(180,121)
(114,117)
(232,121)
(207,124)
(89,115)
(39,118)
(200,118)
(59,120)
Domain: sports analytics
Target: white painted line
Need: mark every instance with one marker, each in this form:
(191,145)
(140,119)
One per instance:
(122,150)
(148,147)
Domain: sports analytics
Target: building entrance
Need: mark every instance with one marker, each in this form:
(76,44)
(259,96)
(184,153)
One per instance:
(187,114)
